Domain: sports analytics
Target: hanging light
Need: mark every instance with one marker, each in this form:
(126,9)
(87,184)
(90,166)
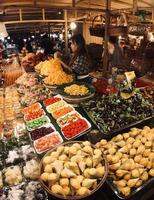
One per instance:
(151,37)
(61,36)
(54,35)
(3,31)
(69,35)
(73,25)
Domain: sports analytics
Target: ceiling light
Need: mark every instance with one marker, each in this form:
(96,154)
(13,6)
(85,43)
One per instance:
(3,31)
(73,25)
(61,36)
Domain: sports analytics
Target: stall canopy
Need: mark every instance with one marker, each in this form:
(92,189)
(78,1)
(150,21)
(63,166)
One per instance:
(22,14)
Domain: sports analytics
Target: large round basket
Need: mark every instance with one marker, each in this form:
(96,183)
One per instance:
(100,183)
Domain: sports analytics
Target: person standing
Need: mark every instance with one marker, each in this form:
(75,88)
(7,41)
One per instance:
(116,55)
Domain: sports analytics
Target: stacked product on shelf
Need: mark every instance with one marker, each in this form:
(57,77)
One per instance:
(19,170)
(31,90)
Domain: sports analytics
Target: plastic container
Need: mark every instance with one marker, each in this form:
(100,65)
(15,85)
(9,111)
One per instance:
(51,100)
(47,142)
(32,108)
(34,115)
(37,123)
(62,111)
(34,135)
(74,132)
(71,116)
(55,106)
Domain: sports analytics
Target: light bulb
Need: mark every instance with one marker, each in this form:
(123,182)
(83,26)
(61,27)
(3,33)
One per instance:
(73,25)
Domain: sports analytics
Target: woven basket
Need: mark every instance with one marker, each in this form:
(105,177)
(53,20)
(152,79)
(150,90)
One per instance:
(99,29)
(73,197)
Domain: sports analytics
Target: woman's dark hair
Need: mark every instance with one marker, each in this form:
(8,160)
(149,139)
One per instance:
(113,39)
(80,41)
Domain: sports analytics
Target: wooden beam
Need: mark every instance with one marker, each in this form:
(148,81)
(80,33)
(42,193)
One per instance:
(153,13)
(35,21)
(130,9)
(97,5)
(34,2)
(73,3)
(149,4)
(78,18)
(122,2)
(15,4)
(43,13)
(54,7)
(135,6)
(66,31)
(106,38)
(79,1)
(20,14)
(30,29)
(75,13)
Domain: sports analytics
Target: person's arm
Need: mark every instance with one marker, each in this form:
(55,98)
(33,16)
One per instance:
(58,55)
(65,66)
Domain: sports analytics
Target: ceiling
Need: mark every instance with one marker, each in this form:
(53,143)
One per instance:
(31,14)
(95,4)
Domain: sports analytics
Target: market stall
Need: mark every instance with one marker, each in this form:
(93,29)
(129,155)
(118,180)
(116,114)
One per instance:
(67,138)
(36,118)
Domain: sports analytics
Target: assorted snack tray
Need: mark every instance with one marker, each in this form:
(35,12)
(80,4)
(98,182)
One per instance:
(53,122)
(62,111)
(51,100)
(26,190)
